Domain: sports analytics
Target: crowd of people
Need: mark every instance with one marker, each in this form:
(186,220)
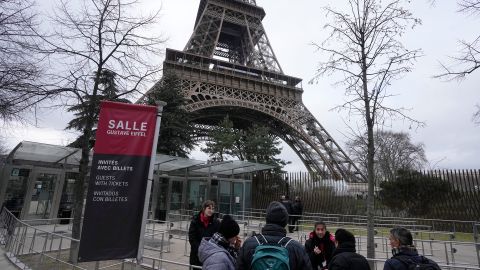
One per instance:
(215,244)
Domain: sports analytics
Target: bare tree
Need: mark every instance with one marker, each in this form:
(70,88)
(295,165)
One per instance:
(476,116)
(394,151)
(364,46)
(20,61)
(3,148)
(468,59)
(89,39)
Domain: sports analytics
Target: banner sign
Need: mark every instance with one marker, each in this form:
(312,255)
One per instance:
(118,181)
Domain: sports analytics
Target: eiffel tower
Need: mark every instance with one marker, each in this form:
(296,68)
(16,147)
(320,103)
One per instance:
(228,67)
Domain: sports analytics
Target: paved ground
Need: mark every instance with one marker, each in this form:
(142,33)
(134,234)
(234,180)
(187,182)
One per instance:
(5,263)
(176,249)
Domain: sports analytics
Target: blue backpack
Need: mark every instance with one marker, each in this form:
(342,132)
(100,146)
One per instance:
(269,256)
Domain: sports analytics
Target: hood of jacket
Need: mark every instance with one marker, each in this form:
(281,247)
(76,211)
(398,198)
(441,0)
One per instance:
(345,247)
(208,249)
(327,235)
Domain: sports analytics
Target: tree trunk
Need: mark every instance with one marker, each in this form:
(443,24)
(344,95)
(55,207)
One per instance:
(80,184)
(370,166)
(79,193)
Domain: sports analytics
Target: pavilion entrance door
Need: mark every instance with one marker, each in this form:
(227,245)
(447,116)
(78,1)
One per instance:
(43,193)
(176,196)
(238,198)
(197,194)
(16,189)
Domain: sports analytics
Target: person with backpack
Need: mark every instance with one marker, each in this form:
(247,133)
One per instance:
(221,250)
(320,246)
(345,257)
(203,224)
(405,255)
(272,249)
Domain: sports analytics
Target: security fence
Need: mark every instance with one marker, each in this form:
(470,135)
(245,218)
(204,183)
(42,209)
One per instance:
(45,244)
(428,195)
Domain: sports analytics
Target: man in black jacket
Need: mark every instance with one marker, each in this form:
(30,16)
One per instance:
(404,252)
(203,224)
(274,231)
(297,211)
(345,256)
(320,246)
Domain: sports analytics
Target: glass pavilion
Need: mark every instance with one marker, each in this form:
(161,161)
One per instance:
(37,180)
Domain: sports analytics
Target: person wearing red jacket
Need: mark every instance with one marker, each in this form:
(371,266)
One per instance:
(320,246)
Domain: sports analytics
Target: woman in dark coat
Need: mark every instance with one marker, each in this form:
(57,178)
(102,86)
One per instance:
(203,224)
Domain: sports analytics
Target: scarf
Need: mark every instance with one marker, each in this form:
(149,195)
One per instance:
(218,239)
(204,219)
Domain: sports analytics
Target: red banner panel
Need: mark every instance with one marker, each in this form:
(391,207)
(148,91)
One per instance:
(118,181)
(125,129)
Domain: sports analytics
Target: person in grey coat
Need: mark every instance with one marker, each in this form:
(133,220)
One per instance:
(221,250)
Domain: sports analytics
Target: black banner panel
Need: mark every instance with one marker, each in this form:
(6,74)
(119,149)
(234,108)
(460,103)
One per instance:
(113,213)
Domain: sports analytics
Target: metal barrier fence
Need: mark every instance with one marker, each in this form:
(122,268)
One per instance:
(437,225)
(457,199)
(46,245)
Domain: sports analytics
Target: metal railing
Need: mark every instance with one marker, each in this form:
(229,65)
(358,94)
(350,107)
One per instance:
(48,243)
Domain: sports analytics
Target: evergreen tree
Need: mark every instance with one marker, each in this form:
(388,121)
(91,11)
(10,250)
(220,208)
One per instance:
(176,131)
(223,139)
(413,193)
(261,146)
(108,90)
(255,144)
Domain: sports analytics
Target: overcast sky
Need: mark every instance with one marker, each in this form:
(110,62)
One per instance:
(450,137)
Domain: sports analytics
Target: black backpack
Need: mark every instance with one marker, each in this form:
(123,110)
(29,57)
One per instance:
(423,264)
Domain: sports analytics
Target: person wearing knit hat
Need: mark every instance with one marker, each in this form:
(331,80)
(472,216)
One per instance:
(345,256)
(228,227)
(277,214)
(274,232)
(221,250)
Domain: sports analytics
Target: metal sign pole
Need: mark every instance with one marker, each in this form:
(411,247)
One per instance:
(160,105)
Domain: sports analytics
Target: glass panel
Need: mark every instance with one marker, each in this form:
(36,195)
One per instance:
(248,195)
(225,195)
(176,196)
(16,189)
(214,191)
(237,198)
(162,196)
(68,195)
(197,192)
(42,196)
(66,202)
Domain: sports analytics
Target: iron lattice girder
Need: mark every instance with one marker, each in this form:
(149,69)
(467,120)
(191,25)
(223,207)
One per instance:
(315,147)
(251,80)
(232,30)
(207,85)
